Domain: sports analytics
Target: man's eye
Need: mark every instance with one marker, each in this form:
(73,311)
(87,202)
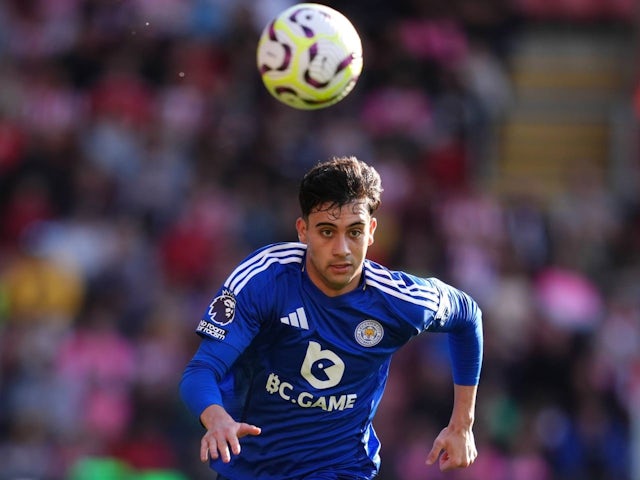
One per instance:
(326,233)
(355,233)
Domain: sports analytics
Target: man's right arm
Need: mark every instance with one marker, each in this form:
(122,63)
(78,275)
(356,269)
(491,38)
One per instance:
(200,391)
(199,383)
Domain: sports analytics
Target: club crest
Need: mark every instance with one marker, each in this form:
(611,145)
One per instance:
(369,333)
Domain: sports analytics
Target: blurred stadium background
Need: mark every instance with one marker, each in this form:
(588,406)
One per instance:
(141,158)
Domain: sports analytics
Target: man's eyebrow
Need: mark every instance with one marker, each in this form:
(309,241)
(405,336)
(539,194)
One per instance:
(329,224)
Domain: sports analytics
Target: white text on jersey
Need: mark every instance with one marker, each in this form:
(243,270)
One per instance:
(327,403)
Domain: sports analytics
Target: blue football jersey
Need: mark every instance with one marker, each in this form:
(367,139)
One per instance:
(309,369)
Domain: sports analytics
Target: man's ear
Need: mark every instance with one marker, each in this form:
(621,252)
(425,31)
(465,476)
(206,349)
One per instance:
(301,228)
(373,224)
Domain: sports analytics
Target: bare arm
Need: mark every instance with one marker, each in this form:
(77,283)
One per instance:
(455,446)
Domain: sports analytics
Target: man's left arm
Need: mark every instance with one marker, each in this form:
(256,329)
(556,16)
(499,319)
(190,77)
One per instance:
(460,316)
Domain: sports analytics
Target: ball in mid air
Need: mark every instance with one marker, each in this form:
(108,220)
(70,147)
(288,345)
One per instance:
(309,56)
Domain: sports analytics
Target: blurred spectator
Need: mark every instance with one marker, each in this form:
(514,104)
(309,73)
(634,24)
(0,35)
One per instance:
(568,299)
(41,291)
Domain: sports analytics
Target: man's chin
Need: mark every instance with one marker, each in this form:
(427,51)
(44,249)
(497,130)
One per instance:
(339,283)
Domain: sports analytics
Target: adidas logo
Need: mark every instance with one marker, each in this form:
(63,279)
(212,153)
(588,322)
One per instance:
(296,319)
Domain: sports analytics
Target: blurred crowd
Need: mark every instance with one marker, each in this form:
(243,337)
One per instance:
(141,158)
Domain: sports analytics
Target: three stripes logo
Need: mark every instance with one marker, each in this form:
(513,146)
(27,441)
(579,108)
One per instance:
(296,319)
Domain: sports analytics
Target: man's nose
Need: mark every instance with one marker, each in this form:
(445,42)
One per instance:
(340,245)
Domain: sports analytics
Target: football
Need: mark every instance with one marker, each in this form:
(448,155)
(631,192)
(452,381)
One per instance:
(309,56)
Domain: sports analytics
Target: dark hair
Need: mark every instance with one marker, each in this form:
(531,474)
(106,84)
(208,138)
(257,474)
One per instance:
(337,182)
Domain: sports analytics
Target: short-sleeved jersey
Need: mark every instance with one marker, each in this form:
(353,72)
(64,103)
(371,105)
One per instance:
(309,369)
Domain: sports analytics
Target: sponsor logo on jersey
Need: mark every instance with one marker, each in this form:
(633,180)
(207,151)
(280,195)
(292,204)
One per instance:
(296,319)
(369,333)
(223,308)
(210,330)
(329,403)
(322,369)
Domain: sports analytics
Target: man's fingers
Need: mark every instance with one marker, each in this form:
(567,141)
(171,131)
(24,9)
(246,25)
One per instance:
(432,457)
(434,453)
(208,448)
(204,454)
(447,462)
(213,448)
(225,454)
(246,429)
(454,449)
(235,447)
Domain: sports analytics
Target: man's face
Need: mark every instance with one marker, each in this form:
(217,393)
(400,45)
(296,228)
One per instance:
(337,241)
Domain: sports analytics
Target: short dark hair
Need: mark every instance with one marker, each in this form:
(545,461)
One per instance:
(337,182)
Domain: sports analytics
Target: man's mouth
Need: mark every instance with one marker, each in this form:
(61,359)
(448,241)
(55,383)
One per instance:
(340,267)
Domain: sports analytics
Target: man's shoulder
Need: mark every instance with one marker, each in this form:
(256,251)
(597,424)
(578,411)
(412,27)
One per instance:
(400,286)
(276,255)
(265,264)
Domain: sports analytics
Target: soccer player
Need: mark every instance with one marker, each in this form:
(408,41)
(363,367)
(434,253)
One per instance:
(297,342)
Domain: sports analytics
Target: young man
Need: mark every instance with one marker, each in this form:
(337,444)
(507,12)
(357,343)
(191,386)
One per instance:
(296,345)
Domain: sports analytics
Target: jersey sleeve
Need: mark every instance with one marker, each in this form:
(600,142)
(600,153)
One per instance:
(459,316)
(227,327)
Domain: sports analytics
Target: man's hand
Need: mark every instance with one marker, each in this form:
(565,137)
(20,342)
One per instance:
(455,447)
(223,434)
